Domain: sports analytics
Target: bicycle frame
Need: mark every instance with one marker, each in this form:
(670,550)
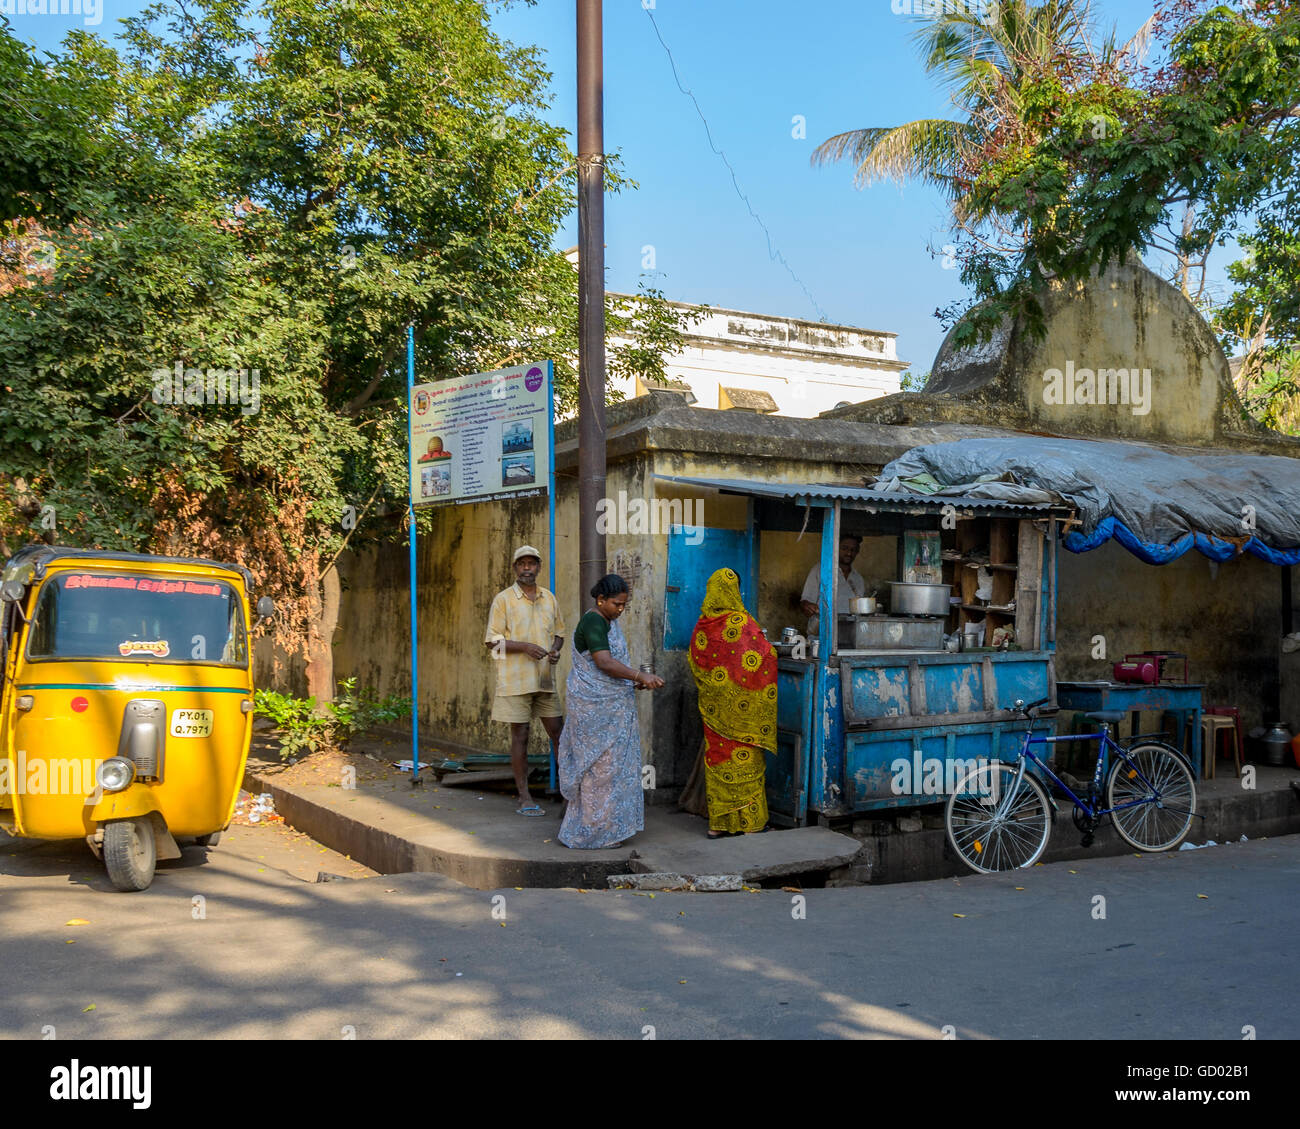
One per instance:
(1099,773)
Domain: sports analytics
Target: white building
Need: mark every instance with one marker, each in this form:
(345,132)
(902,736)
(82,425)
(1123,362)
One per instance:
(788,366)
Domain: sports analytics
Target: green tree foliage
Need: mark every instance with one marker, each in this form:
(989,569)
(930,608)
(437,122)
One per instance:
(278,192)
(1069,154)
(1003,64)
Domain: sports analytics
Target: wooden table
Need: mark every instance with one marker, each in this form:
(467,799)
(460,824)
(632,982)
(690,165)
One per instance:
(1181,698)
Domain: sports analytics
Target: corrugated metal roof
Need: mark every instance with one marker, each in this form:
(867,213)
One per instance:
(859,497)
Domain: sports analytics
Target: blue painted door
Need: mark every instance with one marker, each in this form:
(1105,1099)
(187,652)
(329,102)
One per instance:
(787,769)
(694,554)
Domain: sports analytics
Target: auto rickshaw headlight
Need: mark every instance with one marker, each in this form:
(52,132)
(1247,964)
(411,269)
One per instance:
(115,774)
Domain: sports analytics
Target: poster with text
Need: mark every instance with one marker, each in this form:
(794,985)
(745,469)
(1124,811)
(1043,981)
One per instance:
(481,438)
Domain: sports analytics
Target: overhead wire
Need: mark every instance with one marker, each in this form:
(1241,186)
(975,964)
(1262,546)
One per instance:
(773,251)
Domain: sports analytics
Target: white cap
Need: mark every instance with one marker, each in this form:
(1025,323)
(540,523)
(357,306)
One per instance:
(526,551)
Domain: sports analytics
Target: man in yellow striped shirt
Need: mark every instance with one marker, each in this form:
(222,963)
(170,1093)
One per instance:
(525,634)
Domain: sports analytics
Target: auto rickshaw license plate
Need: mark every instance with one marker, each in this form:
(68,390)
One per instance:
(191,723)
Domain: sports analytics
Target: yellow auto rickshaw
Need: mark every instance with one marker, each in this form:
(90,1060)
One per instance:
(127,702)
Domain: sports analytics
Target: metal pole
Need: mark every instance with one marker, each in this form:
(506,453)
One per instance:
(550,455)
(1051,583)
(415,655)
(591,293)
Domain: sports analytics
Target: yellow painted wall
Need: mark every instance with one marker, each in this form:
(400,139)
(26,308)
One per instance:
(1228,624)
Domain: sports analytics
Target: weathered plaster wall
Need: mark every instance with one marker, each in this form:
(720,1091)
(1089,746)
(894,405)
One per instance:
(463,561)
(1131,322)
(1228,625)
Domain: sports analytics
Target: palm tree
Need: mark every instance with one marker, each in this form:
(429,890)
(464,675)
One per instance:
(987,55)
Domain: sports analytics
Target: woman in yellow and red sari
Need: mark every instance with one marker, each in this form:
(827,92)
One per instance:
(735,671)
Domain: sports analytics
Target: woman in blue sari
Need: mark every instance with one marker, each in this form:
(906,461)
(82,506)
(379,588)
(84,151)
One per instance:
(600,748)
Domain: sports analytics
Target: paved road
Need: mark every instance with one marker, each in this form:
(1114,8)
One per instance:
(273,956)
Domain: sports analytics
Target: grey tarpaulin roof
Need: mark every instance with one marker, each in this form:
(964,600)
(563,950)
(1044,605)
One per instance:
(1156,503)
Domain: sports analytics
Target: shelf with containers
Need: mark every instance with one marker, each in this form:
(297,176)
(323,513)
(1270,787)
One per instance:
(1010,552)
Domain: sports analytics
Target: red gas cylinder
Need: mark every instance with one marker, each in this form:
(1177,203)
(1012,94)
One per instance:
(1136,670)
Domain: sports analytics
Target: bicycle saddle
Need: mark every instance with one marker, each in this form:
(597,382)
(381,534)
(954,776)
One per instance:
(1113,716)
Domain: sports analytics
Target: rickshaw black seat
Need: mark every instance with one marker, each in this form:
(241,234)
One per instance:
(1112,716)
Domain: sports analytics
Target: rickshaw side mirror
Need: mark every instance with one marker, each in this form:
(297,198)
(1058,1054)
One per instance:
(265,607)
(12,590)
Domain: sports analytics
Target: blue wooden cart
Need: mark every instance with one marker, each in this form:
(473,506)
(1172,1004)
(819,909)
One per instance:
(887,728)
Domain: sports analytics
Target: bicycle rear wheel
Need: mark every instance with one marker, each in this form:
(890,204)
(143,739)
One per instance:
(1162,793)
(986,841)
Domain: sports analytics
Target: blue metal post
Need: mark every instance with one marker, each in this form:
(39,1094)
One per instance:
(826,633)
(410,455)
(550,492)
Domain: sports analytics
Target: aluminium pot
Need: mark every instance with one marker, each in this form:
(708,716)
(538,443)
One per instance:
(1277,743)
(864,605)
(919,599)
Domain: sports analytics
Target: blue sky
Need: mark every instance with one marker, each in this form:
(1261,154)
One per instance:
(855,257)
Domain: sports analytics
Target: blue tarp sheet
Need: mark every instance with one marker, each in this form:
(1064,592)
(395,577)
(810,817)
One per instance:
(1157,504)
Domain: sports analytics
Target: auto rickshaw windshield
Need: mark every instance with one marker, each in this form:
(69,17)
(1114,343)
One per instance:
(129,617)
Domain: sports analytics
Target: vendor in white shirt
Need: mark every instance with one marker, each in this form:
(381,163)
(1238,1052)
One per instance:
(851,584)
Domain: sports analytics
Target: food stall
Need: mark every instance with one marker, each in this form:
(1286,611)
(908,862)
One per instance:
(885,711)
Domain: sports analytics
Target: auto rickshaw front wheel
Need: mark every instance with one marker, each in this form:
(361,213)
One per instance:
(130,853)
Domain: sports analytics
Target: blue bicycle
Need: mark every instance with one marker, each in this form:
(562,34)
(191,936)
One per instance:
(999,817)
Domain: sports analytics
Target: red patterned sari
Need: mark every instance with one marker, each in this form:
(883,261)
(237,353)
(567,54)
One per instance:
(735,672)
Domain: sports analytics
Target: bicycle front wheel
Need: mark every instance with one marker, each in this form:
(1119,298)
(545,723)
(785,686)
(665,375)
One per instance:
(1156,797)
(989,839)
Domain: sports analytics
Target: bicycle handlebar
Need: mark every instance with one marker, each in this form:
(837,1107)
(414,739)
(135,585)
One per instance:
(1020,707)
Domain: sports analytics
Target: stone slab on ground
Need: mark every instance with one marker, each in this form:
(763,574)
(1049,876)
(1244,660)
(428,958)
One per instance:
(676,843)
(477,779)
(694,883)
